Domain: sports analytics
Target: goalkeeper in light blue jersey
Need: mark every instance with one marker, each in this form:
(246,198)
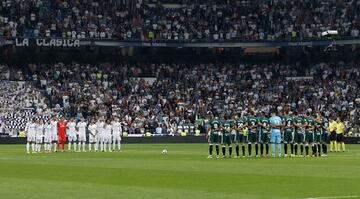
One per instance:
(275,136)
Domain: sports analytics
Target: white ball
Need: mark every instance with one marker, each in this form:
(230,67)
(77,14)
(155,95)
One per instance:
(164,151)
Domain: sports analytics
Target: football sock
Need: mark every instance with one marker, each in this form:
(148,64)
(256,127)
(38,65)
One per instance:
(237,149)
(54,145)
(223,150)
(243,149)
(279,149)
(109,146)
(267,149)
(343,146)
(301,149)
(313,149)
(69,146)
(307,149)
(79,146)
(338,146)
(319,149)
(296,149)
(262,149)
(28,147)
(292,148)
(210,149)
(256,149)
(119,145)
(249,149)
(285,148)
(33,147)
(63,145)
(230,151)
(83,146)
(324,148)
(217,149)
(74,146)
(273,149)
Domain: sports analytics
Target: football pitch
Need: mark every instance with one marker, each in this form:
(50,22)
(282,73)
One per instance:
(141,171)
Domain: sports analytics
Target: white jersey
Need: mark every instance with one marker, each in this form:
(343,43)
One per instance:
(54,130)
(48,133)
(82,131)
(30,130)
(71,128)
(100,128)
(93,135)
(116,128)
(39,131)
(108,129)
(82,128)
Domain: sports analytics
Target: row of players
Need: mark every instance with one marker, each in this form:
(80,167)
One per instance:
(304,131)
(103,135)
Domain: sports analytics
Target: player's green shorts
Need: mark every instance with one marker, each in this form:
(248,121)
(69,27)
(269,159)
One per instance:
(253,136)
(213,138)
(265,137)
(240,137)
(317,137)
(309,136)
(299,138)
(226,139)
(289,136)
(325,137)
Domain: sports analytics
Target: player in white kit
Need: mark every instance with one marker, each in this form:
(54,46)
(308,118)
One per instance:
(47,136)
(71,134)
(100,129)
(116,130)
(54,133)
(39,135)
(81,126)
(92,134)
(106,141)
(30,130)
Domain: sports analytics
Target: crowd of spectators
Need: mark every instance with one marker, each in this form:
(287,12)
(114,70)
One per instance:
(181,96)
(179,19)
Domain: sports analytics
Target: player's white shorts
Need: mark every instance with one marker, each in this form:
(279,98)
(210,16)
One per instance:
(31,138)
(116,137)
(93,138)
(54,138)
(72,138)
(47,139)
(39,139)
(82,138)
(106,138)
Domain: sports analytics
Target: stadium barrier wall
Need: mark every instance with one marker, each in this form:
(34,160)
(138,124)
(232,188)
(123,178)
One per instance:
(154,140)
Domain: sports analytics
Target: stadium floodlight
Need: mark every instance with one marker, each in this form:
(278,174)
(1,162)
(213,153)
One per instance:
(329,33)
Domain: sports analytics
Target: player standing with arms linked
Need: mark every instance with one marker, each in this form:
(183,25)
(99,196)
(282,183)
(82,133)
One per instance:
(213,135)
(61,127)
(275,135)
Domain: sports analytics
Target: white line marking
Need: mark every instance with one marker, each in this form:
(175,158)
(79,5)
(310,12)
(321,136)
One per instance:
(332,197)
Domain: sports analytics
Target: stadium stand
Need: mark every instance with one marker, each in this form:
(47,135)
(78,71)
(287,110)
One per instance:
(178,20)
(183,94)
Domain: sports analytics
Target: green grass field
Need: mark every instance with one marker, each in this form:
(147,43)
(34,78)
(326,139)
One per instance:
(141,171)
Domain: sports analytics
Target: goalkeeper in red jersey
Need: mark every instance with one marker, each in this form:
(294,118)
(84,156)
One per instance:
(61,126)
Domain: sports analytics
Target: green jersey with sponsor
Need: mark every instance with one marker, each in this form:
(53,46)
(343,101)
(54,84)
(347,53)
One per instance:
(214,124)
(324,125)
(226,126)
(252,122)
(288,121)
(265,125)
(310,123)
(298,121)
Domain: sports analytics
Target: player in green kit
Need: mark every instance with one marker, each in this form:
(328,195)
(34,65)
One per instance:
(288,133)
(264,134)
(317,134)
(240,137)
(324,133)
(214,129)
(309,133)
(226,136)
(253,136)
(298,122)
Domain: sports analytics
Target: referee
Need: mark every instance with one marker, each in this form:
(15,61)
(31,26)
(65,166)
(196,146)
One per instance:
(340,130)
(332,130)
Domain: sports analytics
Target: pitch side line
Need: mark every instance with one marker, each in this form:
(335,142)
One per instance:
(332,197)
